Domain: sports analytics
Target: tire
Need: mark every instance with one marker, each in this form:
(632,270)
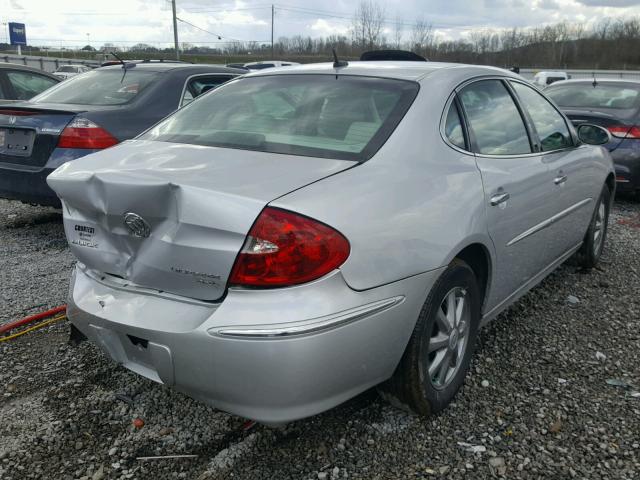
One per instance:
(412,387)
(594,240)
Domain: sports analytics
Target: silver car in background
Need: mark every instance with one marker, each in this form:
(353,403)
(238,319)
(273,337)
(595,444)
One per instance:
(301,235)
(65,72)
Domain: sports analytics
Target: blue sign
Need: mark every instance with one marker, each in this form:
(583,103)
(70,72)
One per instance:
(17,34)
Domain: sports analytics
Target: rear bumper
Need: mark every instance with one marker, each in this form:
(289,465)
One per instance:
(626,159)
(29,184)
(330,342)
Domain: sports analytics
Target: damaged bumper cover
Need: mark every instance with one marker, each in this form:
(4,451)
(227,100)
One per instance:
(264,355)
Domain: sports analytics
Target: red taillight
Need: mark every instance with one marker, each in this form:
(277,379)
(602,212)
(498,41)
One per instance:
(284,248)
(624,131)
(83,133)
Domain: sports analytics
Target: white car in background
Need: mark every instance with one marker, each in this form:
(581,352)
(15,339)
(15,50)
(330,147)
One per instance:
(543,79)
(268,64)
(67,71)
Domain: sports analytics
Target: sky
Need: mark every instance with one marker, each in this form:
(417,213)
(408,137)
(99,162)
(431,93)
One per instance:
(66,23)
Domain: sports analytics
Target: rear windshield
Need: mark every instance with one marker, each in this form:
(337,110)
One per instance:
(342,117)
(99,87)
(585,95)
(551,80)
(68,69)
(260,66)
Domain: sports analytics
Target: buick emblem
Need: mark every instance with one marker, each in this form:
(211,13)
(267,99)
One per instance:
(137,225)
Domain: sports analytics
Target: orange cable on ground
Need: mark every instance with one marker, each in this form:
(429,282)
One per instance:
(32,318)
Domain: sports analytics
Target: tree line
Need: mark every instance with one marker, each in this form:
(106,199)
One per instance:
(609,44)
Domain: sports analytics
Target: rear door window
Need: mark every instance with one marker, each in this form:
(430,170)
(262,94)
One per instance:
(27,84)
(199,85)
(453,127)
(549,124)
(112,86)
(494,120)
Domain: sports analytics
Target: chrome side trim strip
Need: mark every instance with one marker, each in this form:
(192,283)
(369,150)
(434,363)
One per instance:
(314,325)
(548,221)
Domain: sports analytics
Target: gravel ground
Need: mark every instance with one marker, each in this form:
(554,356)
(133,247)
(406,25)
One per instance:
(536,405)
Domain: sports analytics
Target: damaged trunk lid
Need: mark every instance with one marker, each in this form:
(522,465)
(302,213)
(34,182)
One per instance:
(173,217)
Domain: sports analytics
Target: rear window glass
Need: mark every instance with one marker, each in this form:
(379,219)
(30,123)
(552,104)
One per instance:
(585,95)
(551,80)
(343,117)
(99,87)
(27,84)
(260,66)
(68,69)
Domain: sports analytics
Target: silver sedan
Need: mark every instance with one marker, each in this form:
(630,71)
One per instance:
(296,237)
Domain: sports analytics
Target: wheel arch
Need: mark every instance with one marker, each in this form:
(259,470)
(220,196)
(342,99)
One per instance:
(611,183)
(478,256)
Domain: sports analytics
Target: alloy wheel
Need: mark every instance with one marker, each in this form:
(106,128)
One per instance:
(598,230)
(449,338)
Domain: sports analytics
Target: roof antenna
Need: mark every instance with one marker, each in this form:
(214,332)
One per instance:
(595,82)
(338,63)
(124,66)
(117,57)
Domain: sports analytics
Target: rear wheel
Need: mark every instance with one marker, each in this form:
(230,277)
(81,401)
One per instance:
(437,358)
(593,244)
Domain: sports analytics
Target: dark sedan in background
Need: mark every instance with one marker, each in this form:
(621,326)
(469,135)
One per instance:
(615,105)
(19,82)
(90,112)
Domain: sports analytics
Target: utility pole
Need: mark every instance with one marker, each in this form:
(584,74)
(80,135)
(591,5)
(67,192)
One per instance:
(175,29)
(272,15)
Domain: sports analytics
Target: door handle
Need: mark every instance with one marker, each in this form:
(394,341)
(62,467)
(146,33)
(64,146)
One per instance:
(499,198)
(560,179)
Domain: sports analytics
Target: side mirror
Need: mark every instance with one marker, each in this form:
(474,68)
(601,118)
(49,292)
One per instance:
(593,134)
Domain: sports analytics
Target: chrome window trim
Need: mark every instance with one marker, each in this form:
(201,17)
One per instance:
(525,121)
(456,91)
(315,325)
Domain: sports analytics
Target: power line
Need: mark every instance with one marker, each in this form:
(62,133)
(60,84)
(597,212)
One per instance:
(67,41)
(220,37)
(324,13)
(99,14)
(231,10)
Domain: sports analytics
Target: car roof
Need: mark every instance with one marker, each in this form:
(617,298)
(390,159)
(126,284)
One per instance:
(598,80)
(164,67)
(271,61)
(401,70)
(25,68)
(552,72)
